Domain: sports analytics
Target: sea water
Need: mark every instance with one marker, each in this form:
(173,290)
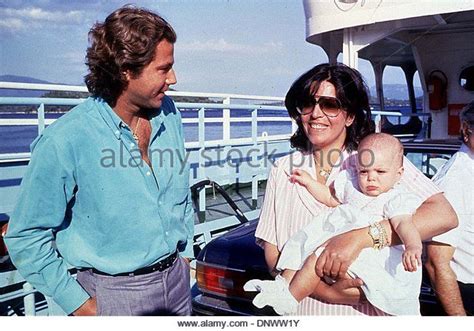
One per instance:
(17,139)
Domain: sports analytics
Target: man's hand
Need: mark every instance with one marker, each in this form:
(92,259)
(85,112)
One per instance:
(339,253)
(187,260)
(88,308)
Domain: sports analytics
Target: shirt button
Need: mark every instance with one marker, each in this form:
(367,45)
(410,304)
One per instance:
(148,173)
(132,145)
(167,233)
(160,202)
(117,132)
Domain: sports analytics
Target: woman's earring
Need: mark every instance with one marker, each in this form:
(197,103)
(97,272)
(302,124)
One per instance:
(466,133)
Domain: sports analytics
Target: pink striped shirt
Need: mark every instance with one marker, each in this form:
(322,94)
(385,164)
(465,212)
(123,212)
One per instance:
(289,207)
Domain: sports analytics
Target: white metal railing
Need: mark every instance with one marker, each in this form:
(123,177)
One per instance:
(224,97)
(201,119)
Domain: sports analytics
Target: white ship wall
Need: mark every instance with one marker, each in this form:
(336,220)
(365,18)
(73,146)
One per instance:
(450,55)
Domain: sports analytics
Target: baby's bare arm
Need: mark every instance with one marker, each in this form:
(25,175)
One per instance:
(319,191)
(410,236)
(406,230)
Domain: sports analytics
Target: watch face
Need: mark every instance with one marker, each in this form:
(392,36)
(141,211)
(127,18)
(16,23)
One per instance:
(374,231)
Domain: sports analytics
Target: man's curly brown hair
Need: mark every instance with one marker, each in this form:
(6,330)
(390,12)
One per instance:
(125,41)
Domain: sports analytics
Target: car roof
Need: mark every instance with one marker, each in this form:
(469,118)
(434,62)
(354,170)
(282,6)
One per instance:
(433,145)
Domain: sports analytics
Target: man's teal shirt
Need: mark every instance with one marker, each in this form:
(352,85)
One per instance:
(88,200)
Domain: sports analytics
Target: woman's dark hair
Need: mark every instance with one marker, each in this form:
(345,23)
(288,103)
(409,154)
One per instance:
(351,92)
(126,41)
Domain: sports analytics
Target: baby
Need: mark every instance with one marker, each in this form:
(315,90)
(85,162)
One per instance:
(387,284)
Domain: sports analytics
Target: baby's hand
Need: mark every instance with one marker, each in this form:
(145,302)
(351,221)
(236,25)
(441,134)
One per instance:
(412,258)
(301,177)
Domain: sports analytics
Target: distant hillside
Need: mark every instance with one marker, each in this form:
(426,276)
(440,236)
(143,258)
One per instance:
(396,91)
(21,93)
(22,79)
(62,94)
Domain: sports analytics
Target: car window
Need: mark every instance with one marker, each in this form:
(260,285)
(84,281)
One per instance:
(428,163)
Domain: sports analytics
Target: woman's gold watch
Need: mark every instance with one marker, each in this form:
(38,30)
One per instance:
(378,235)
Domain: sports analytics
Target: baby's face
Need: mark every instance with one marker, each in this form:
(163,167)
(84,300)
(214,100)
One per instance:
(378,171)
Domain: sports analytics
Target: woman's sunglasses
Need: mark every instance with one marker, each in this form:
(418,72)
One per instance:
(330,106)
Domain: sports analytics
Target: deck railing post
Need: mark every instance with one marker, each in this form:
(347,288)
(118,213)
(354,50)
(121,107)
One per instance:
(29,300)
(226,120)
(41,121)
(254,158)
(226,134)
(201,165)
(378,123)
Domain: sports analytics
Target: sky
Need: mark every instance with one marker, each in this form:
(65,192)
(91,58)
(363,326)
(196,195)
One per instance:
(253,47)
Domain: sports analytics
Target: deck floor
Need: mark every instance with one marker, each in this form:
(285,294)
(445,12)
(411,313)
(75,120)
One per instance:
(217,207)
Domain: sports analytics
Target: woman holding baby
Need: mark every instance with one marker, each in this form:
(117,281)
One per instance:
(330,105)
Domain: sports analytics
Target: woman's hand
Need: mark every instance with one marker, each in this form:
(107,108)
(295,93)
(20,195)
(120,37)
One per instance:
(345,291)
(348,291)
(339,253)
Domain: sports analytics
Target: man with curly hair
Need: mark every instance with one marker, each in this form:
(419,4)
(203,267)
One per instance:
(97,198)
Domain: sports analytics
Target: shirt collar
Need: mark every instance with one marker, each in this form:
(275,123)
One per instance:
(113,121)
(467,150)
(116,124)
